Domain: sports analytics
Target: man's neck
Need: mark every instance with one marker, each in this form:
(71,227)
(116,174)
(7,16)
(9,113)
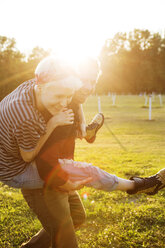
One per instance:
(38,100)
(39,104)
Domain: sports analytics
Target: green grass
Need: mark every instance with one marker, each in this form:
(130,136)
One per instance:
(114,219)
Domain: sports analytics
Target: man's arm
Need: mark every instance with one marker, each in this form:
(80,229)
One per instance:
(30,155)
(62,118)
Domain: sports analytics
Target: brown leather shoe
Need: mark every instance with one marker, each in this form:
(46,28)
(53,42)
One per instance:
(149,185)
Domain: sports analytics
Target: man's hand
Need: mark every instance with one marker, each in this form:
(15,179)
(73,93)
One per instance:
(71,186)
(64,117)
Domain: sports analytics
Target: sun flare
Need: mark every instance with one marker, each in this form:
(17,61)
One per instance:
(75,51)
(76,36)
(75,29)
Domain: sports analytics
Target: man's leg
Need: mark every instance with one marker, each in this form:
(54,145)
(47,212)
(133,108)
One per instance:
(35,200)
(63,228)
(43,239)
(81,170)
(100,179)
(53,210)
(40,240)
(28,179)
(77,209)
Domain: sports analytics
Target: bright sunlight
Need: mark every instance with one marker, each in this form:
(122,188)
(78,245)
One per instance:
(77,28)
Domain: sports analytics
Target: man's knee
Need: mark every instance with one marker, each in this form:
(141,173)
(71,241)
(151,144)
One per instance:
(77,209)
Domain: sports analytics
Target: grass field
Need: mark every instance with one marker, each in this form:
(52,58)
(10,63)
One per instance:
(114,219)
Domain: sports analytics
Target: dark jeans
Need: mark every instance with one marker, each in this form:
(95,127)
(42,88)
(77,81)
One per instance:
(59,213)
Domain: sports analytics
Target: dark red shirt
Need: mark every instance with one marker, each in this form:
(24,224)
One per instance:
(60,144)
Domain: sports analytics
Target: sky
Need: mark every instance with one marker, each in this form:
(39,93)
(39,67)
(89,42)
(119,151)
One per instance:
(75,28)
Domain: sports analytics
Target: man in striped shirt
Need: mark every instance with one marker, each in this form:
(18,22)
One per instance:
(24,130)
(23,127)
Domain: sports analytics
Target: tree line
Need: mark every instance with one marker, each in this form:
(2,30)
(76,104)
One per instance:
(131,62)
(15,67)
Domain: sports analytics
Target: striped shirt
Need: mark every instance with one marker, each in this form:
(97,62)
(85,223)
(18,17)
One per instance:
(21,126)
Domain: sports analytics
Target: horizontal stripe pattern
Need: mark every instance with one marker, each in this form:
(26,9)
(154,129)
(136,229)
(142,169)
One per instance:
(21,126)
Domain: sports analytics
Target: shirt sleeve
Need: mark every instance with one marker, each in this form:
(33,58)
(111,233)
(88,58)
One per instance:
(28,134)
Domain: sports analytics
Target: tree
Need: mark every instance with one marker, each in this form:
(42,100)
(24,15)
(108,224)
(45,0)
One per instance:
(133,63)
(14,69)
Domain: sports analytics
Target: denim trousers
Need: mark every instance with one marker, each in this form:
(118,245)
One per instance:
(28,179)
(59,213)
(81,170)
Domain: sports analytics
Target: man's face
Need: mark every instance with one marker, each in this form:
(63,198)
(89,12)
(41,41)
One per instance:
(86,90)
(89,79)
(56,97)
